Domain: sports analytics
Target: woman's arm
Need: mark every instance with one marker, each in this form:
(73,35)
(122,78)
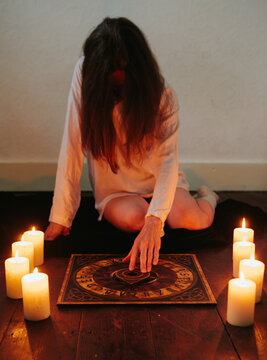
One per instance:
(147,244)
(67,195)
(166,167)
(54,230)
(148,241)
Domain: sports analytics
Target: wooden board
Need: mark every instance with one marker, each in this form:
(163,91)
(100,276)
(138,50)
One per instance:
(105,279)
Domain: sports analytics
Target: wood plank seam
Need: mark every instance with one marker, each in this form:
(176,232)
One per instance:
(228,334)
(7,327)
(79,335)
(154,345)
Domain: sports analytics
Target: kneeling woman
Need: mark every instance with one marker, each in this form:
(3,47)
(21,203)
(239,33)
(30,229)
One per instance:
(123,118)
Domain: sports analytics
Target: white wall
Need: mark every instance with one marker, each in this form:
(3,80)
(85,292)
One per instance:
(213,52)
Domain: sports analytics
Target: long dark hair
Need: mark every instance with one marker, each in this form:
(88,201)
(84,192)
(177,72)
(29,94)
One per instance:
(117,43)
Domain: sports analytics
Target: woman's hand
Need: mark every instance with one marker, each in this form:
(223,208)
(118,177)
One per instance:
(147,244)
(54,230)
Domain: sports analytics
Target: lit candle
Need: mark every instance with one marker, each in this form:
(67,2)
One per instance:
(241,301)
(37,238)
(240,233)
(25,249)
(36,300)
(241,250)
(253,270)
(15,268)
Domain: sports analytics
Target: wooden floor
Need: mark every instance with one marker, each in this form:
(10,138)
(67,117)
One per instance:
(139,332)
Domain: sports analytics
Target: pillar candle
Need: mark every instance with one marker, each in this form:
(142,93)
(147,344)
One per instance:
(25,249)
(241,250)
(253,270)
(37,238)
(36,300)
(15,268)
(240,233)
(241,301)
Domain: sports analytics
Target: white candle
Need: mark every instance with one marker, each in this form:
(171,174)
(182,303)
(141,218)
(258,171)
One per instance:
(241,250)
(15,268)
(253,270)
(241,301)
(25,249)
(36,300)
(37,238)
(240,233)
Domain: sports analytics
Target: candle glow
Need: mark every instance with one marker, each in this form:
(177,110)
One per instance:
(15,268)
(240,233)
(241,250)
(24,249)
(37,238)
(241,301)
(253,270)
(36,300)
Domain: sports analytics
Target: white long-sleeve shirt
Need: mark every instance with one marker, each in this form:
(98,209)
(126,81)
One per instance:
(155,177)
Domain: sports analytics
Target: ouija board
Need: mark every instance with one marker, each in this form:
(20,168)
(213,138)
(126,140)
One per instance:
(105,279)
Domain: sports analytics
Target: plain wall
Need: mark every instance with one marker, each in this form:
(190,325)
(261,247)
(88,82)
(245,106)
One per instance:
(213,52)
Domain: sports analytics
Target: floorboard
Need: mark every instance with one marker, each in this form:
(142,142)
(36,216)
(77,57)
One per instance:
(187,332)
(112,332)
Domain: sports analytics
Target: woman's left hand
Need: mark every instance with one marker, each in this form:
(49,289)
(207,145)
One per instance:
(147,244)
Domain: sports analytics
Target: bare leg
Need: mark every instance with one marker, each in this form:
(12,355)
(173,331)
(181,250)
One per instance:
(127,212)
(190,213)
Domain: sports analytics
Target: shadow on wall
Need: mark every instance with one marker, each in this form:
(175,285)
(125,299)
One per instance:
(194,179)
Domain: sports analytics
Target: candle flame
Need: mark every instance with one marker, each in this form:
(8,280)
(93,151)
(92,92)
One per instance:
(243,223)
(244,239)
(242,276)
(22,238)
(33,228)
(252,256)
(35,270)
(16,254)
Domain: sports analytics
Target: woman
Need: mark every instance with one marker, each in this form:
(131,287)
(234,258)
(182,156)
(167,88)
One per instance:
(123,117)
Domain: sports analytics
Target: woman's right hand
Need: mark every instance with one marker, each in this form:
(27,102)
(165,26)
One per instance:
(54,230)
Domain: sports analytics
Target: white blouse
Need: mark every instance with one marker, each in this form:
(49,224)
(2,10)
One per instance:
(156,176)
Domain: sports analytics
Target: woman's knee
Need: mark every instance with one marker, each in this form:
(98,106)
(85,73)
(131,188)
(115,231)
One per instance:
(189,219)
(126,213)
(204,221)
(133,220)
(186,212)
(182,220)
